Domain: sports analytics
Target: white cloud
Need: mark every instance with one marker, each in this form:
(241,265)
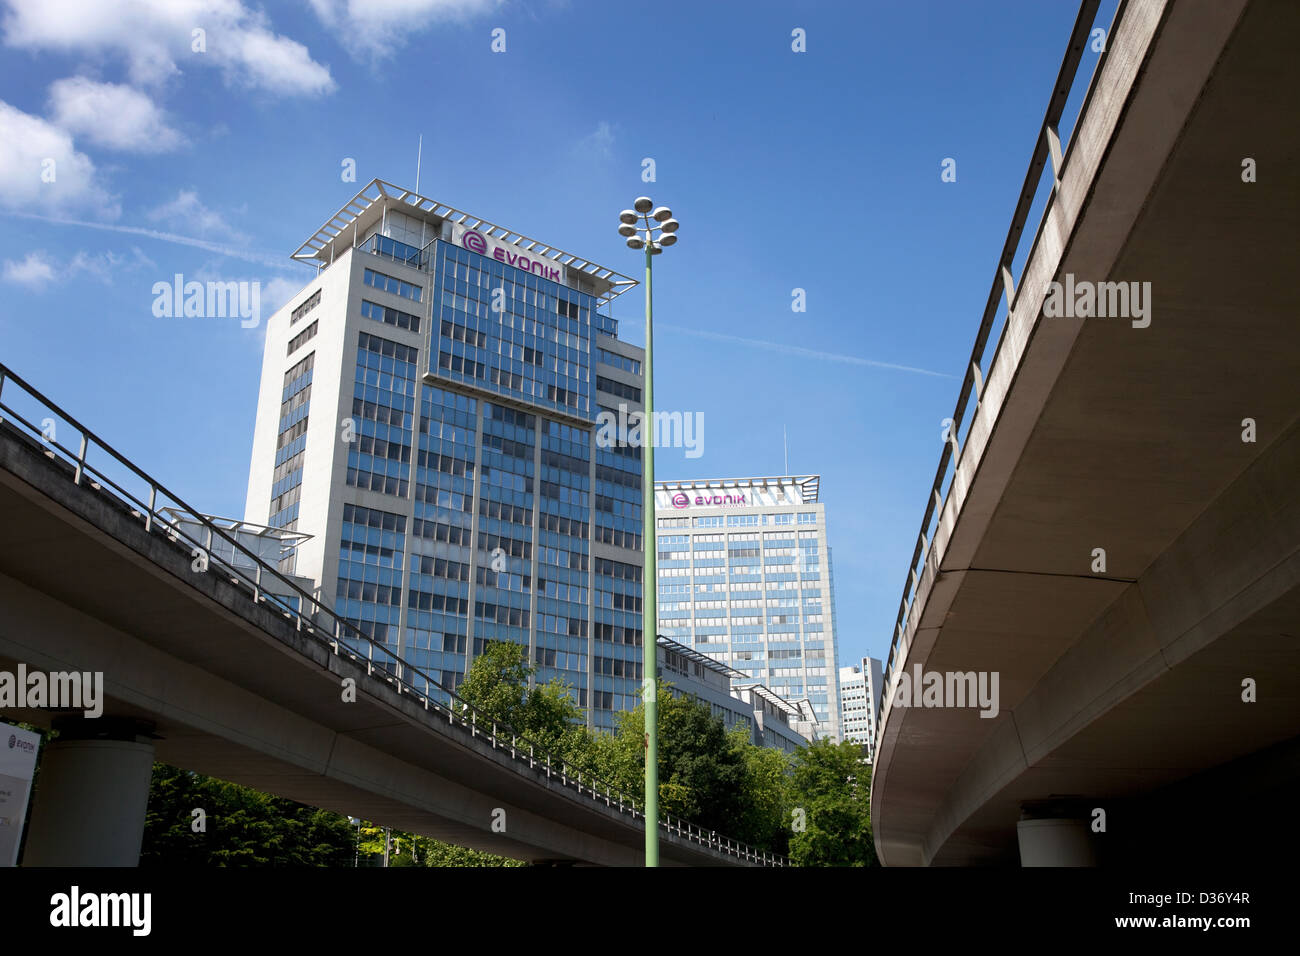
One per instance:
(276,292)
(188,212)
(113,116)
(41,170)
(156,38)
(100,266)
(376,27)
(38,269)
(35,271)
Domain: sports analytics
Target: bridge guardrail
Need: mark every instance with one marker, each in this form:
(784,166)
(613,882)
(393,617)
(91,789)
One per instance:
(340,635)
(1047,147)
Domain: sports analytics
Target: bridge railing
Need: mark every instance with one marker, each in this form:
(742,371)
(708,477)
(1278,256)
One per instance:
(1039,191)
(266,585)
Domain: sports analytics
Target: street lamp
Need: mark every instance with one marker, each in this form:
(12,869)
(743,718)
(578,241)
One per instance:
(646,227)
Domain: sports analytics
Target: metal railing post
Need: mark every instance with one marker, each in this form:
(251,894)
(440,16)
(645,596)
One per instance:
(81,461)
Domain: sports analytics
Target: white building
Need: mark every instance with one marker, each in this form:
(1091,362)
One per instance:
(426,428)
(744,575)
(860,702)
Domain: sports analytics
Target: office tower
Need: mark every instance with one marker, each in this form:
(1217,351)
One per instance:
(427,417)
(745,578)
(860,700)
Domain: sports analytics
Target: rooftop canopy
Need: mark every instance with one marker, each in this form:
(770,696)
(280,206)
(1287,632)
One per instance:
(368,206)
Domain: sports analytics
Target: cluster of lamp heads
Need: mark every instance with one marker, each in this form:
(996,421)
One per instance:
(644,227)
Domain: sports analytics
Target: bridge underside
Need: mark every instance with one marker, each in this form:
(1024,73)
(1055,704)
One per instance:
(233,690)
(1117,685)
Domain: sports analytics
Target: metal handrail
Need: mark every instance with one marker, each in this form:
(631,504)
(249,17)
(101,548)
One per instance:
(1046,147)
(332,632)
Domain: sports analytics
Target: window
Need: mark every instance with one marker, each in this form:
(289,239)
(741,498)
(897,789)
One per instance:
(396,286)
(306,307)
(381,313)
(630,392)
(298,340)
(618,361)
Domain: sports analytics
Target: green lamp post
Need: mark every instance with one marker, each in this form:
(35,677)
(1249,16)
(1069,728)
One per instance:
(646,227)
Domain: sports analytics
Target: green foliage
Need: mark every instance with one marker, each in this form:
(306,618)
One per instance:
(717,780)
(243,827)
(496,686)
(764,820)
(408,849)
(833,788)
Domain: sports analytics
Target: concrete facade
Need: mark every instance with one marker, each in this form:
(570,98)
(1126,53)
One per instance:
(860,700)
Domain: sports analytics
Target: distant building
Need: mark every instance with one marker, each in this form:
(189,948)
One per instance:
(744,575)
(860,699)
(770,720)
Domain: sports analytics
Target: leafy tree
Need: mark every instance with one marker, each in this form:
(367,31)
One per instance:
(765,819)
(833,787)
(702,774)
(496,686)
(406,849)
(242,827)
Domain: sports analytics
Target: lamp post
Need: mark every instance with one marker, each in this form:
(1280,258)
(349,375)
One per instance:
(646,227)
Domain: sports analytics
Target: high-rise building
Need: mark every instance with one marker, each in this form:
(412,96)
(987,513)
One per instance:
(745,578)
(860,700)
(426,421)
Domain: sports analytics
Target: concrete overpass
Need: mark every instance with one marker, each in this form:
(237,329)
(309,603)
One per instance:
(210,671)
(1122,683)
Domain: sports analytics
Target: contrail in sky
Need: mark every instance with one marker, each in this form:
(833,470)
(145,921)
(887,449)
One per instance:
(799,350)
(234,252)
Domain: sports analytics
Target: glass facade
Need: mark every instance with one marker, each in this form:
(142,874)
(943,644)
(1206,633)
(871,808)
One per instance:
(494,494)
(752,589)
(511,332)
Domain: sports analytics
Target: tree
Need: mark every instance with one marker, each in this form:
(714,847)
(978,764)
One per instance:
(240,827)
(832,786)
(496,686)
(702,774)
(407,849)
(765,820)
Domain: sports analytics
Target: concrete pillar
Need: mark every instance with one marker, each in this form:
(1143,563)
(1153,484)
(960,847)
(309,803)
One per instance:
(1056,841)
(91,795)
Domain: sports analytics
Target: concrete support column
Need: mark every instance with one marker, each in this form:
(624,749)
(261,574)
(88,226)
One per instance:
(1055,841)
(91,795)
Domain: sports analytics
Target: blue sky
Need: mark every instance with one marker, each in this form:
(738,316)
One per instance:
(817,170)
